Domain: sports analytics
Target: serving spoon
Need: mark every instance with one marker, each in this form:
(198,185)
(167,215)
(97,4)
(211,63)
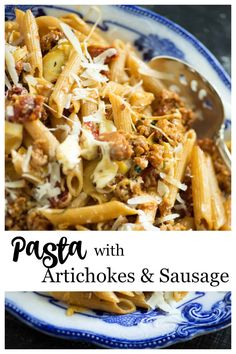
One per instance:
(200,95)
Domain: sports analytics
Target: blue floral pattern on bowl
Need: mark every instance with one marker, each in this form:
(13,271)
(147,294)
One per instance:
(198,313)
(152,45)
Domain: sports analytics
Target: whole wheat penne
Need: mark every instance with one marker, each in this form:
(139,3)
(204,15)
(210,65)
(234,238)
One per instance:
(37,130)
(201,190)
(182,158)
(90,300)
(117,68)
(32,42)
(74,179)
(109,296)
(217,202)
(63,84)
(89,214)
(121,113)
(227,206)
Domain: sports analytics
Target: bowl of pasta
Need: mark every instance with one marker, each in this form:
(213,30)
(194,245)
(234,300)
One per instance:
(172,316)
(92,139)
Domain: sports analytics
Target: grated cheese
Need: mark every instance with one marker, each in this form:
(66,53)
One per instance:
(162,189)
(73,40)
(11,65)
(142,199)
(68,153)
(145,222)
(9,111)
(26,159)
(157,300)
(174,182)
(106,169)
(100,59)
(167,218)
(46,191)
(54,171)
(27,67)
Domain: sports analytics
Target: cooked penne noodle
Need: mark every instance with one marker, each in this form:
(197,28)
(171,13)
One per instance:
(74,180)
(121,113)
(63,84)
(201,190)
(89,214)
(227,206)
(37,130)
(88,299)
(109,296)
(31,35)
(182,159)
(117,69)
(217,202)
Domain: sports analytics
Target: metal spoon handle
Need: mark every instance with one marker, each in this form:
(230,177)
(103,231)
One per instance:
(224,152)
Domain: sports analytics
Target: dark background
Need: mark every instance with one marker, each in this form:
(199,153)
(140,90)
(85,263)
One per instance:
(212,26)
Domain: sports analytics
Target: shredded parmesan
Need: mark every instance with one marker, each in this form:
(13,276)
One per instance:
(9,111)
(162,189)
(73,40)
(100,59)
(68,153)
(11,65)
(142,199)
(27,67)
(167,218)
(105,170)
(26,159)
(157,300)
(173,181)
(46,191)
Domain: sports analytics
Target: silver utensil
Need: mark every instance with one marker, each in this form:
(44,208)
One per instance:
(200,95)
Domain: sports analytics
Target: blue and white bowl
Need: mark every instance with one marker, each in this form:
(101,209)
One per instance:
(199,313)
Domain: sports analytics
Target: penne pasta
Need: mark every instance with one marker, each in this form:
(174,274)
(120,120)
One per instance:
(74,180)
(31,35)
(37,130)
(201,191)
(87,215)
(217,202)
(63,84)
(121,113)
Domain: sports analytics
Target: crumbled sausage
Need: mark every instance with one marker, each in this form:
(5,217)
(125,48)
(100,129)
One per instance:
(173,227)
(49,40)
(61,201)
(38,158)
(127,188)
(95,51)
(120,148)
(16,90)
(168,102)
(173,130)
(36,221)
(16,214)
(139,144)
(26,108)
(155,155)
